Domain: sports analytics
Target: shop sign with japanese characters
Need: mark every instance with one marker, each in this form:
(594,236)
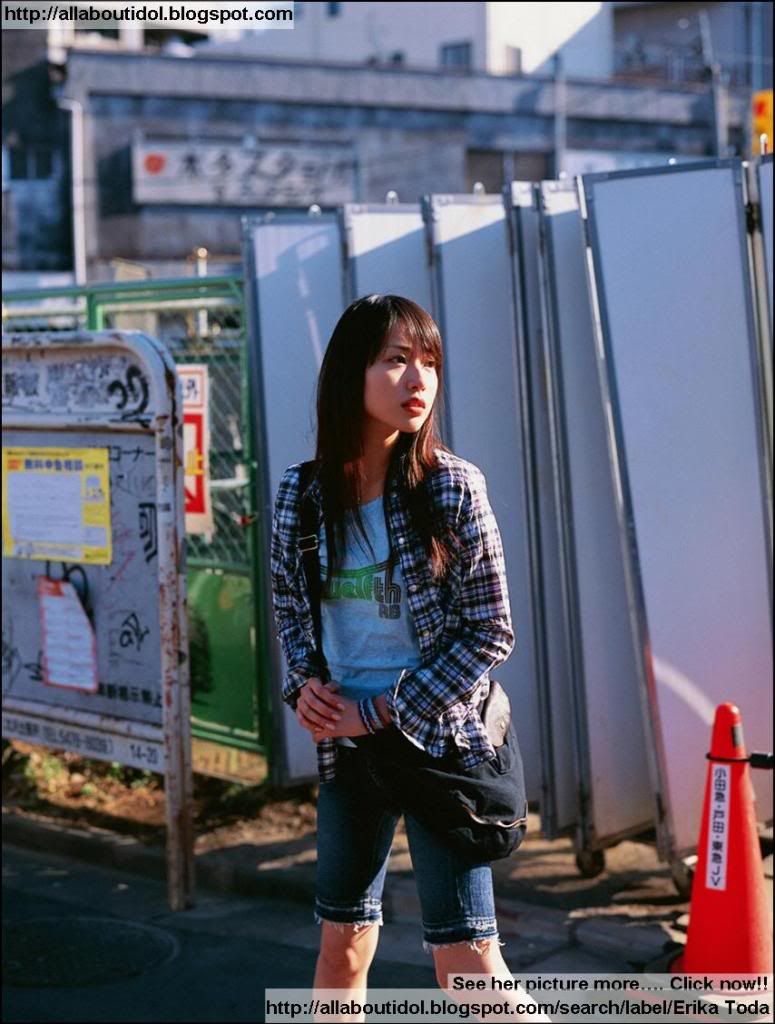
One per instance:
(231,174)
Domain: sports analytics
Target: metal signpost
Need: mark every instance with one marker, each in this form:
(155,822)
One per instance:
(95,652)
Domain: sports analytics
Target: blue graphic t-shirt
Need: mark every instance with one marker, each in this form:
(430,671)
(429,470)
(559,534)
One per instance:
(367,628)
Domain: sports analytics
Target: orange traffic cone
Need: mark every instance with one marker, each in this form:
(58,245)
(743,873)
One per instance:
(730,931)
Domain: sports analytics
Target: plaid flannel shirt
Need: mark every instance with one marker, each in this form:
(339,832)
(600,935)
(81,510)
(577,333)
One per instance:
(463,621)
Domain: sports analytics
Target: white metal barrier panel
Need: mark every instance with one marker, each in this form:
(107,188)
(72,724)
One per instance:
(764,183)
(471,265)
(95,652)
(386,251)
(607,366)
(679,371)
(614,790)
(759,217)
(559,792)
(296,295)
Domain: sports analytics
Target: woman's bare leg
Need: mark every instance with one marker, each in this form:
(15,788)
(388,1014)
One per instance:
(485,958)
(346,953)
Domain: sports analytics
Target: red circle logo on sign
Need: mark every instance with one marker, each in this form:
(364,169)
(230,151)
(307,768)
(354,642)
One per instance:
(154,163)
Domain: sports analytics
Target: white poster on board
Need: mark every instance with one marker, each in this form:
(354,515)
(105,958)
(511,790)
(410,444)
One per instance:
(195,385)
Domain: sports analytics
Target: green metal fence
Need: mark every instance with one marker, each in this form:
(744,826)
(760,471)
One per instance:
(201,320)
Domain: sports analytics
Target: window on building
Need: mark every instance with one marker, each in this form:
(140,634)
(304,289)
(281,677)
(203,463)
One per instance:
(105,33)
(30,163)
(496,167)
(17,163)
(486,166)
(457,55)
(513,59)
(333,10)
(43,159)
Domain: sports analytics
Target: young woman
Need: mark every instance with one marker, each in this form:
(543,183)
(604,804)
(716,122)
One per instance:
(415,615)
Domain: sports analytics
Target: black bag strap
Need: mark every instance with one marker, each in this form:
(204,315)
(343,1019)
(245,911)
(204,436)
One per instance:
(308,546)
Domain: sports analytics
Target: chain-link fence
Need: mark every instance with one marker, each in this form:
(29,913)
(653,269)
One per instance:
(212,334)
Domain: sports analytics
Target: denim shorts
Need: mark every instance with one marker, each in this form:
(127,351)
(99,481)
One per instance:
(355,826)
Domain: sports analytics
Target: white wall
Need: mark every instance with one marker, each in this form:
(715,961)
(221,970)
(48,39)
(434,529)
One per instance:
(582,32)
(418,30)
(590,161)
(364,30)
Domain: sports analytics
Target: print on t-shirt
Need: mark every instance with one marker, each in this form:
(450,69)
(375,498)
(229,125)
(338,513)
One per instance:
(368,638)
(371,583)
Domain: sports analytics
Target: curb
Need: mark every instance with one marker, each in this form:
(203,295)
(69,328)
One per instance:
(109,849)
(640,947)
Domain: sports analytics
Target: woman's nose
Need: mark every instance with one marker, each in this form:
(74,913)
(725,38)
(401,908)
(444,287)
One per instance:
(414,375)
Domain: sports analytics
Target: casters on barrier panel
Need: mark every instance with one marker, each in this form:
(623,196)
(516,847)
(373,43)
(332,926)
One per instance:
(682,873)
(590,863)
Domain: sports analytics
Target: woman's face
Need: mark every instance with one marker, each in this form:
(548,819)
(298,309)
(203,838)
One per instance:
(400,375)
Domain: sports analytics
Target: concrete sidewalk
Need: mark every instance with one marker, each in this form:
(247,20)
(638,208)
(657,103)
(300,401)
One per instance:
(552,919)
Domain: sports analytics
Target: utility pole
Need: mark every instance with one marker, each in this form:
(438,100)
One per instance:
(560,114)
(78,192)
(719,104)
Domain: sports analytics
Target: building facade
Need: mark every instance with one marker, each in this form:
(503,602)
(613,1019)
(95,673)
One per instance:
(176,149)
(174,142)
(497,38)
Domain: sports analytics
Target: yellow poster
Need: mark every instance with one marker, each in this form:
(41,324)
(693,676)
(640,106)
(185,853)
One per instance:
(56,504)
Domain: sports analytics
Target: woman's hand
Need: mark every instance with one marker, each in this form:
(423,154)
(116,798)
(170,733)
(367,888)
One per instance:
(318,706)
(324,714)
(349,723)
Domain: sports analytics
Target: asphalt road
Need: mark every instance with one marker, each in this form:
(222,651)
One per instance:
(84,943)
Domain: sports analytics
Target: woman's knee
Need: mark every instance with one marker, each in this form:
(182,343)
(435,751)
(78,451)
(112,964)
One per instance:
(471,956)
(348,949)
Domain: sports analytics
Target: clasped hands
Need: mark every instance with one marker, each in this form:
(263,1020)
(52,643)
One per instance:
(324,713)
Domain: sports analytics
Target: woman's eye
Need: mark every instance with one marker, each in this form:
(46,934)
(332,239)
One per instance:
(429,362)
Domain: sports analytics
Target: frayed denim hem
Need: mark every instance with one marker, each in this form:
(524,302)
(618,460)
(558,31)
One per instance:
(363,914)
(341,925)
(479,945)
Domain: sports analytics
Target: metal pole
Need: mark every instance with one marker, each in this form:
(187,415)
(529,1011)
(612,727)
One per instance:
(560,114)
(75,107)
(718,91)
(201,271)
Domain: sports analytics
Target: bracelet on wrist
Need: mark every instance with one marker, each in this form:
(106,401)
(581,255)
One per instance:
(369,715)
(365,718)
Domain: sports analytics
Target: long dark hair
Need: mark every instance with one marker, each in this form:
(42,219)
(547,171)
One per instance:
(356,343)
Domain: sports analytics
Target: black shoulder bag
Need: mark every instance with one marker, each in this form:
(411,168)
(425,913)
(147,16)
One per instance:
(480,812)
